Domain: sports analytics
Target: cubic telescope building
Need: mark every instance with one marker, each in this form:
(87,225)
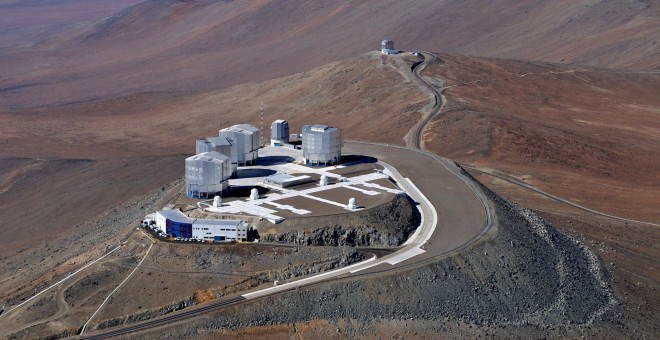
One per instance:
(207,174)
(221,145)
(321,144)
(247,139)
(175,224)
(387,47)
(279,133)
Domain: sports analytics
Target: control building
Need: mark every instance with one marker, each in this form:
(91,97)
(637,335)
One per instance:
(387,47)
(221,145)
(279,133)
(175,224)
(247,139)
(321,144)
(207,174)
(286,180)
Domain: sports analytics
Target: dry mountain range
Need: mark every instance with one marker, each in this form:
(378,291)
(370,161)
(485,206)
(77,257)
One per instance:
(173,45)
(98,107)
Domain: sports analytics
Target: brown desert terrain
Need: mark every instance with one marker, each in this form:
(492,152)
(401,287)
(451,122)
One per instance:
(98,108)
(183,46)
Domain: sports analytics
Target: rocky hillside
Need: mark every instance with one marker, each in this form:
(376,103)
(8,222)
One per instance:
(390,224)
(527,280)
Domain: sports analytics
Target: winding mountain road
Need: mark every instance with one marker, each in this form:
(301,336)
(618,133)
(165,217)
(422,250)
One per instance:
(415,139)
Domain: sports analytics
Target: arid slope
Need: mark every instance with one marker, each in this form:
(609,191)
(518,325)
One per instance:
(588,135)
(365,98)
(56,174)
(173,45)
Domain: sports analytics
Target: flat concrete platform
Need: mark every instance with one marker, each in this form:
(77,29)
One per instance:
(363,181)
(340,193)
(461,214)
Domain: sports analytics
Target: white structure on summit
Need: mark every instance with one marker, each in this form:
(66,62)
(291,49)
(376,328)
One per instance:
(207,174)
(387,47)
(321,144)
(279,133)
(247,139)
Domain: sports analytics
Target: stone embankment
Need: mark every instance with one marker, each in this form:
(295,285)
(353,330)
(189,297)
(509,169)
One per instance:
(389,224)
(528,276)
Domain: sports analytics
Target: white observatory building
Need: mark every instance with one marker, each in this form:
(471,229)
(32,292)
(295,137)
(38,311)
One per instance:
(387,47)
(247,139)
(207,174)
(221,145)
(321,144)
(279,133)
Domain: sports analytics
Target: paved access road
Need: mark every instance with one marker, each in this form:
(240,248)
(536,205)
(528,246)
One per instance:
(414,138)
(464,213)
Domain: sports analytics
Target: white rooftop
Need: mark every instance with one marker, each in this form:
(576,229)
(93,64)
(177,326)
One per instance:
(318,128)
(223,223)
(285,178)
(211,156)
(241,128)
(175,215)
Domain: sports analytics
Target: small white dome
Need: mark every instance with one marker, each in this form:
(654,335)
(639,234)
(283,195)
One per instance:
(352,203)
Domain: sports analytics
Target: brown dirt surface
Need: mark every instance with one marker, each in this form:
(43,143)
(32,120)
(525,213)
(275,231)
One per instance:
(588,135)
(359,95)
(19,14)
(171,45)
(73,301)
(173,276)
(67,192)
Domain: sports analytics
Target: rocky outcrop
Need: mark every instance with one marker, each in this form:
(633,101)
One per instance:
(387,225)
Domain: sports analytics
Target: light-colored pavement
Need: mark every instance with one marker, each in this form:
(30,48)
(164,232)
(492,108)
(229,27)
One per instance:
(414,137)
(412,249)
(464,215)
